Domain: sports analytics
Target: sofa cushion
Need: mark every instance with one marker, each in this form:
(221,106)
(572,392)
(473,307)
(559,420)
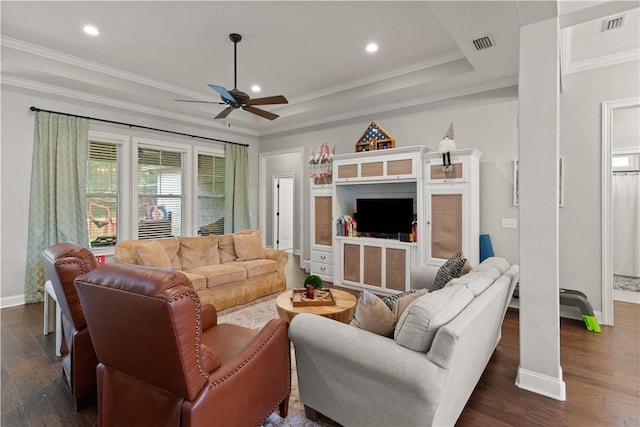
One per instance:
(258,267)
(226,251)
(152,254)
(477,281)
(499,263)
(198,281)
(248,246)
(449,270)
(198,251)
(221,274)
(420,322)
(373,315)
(126,251)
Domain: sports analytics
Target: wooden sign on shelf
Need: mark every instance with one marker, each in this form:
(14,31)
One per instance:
(374,138)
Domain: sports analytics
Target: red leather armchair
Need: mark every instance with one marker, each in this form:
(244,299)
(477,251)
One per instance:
(165,361)
(64,262)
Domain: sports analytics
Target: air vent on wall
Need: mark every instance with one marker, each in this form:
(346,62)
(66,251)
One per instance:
(612,23)
(483,42)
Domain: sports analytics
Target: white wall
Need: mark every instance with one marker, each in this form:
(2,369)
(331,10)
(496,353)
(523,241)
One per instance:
(626,129)
(490,128)
(16,153)
(580,143)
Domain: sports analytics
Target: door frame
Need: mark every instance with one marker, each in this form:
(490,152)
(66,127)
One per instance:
(608,108)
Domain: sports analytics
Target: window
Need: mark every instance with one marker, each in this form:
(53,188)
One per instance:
(160,193)
(103,203)
(210,194)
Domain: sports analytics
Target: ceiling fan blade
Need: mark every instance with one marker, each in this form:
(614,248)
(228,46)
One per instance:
(226,96)
(261,113)
(278,99)
(224,113)
(200,102)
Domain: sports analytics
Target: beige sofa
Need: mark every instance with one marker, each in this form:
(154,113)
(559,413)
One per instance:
(226,270)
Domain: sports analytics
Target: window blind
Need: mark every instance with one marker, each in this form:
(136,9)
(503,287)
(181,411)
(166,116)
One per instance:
(160,193)
(103,204)
(210,194)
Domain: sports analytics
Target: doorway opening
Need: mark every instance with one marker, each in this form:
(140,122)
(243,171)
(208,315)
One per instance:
(609,110)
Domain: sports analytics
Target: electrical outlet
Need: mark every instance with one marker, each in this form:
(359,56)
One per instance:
(509,223)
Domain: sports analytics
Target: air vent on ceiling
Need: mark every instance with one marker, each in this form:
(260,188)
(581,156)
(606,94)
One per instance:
(612,23)
(483,42)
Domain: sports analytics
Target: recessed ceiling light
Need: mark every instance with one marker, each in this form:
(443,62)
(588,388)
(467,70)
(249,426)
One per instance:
(91,30)
(255,88)
(372,47)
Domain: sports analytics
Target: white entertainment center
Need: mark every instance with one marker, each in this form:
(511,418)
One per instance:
(446,208)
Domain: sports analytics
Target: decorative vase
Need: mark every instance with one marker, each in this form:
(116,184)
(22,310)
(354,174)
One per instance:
(310,292)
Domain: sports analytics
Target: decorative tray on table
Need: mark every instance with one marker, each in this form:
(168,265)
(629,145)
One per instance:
(299,298)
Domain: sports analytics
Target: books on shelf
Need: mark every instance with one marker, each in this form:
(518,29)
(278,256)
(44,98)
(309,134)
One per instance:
(346,226)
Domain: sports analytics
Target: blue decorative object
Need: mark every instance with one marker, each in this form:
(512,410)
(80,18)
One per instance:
(486,250)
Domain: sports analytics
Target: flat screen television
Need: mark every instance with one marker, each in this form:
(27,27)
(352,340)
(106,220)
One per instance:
(384,216)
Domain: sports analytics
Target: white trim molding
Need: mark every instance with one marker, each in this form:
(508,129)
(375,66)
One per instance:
(12,301)
(608,108)
(545,385)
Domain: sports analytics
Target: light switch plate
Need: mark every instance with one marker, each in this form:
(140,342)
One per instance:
(509,223)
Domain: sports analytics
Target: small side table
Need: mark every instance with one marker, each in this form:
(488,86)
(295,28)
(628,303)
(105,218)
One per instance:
(342,311)
(49,293)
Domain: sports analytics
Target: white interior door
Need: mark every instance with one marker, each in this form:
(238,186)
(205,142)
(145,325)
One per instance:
(283,213)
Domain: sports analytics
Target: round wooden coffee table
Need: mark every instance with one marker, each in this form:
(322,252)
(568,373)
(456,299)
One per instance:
(342,311)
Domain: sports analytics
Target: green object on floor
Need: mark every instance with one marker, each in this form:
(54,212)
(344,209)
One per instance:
(577,299)
(591,323)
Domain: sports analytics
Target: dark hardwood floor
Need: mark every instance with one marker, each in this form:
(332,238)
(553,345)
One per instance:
(601,372)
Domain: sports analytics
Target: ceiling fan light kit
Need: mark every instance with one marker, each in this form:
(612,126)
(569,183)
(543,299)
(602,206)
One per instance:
(235,98)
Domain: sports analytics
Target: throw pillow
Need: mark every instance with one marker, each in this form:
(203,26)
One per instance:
(418,325)
(449,270)
(152,254)
(466,268)
(373,315)
(248,246)
(402,303)
(390,300)
(198,251)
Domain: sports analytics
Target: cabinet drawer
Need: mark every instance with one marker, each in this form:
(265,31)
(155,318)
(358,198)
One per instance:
(324,257)
(438,174)
(347,171)
(400,167)
(372,169)
(319,268)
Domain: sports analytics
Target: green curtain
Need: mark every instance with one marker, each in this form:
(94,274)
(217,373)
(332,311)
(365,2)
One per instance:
(236,188)
(57,208)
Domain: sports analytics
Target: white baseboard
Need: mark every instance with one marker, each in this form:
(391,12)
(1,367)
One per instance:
(544,385)
(12,301)
(626,296)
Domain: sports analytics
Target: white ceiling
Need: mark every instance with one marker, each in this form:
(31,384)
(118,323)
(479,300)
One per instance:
(150,53)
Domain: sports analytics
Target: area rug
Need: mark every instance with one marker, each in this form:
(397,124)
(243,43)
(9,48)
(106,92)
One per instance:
(255,315)
(626,283)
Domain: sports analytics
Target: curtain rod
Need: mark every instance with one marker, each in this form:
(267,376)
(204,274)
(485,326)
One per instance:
(138,126)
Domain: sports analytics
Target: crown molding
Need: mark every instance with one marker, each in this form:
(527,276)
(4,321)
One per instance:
(75,61)
(443,59)
(396,106)
(603,61)
(122,105)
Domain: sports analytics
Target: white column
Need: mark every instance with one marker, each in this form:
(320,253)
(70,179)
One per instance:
(538,87)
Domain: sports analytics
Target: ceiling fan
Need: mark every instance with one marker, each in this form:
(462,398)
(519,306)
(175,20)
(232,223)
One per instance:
(235,98)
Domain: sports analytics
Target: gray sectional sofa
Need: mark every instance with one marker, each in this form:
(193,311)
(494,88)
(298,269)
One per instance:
(422,376)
